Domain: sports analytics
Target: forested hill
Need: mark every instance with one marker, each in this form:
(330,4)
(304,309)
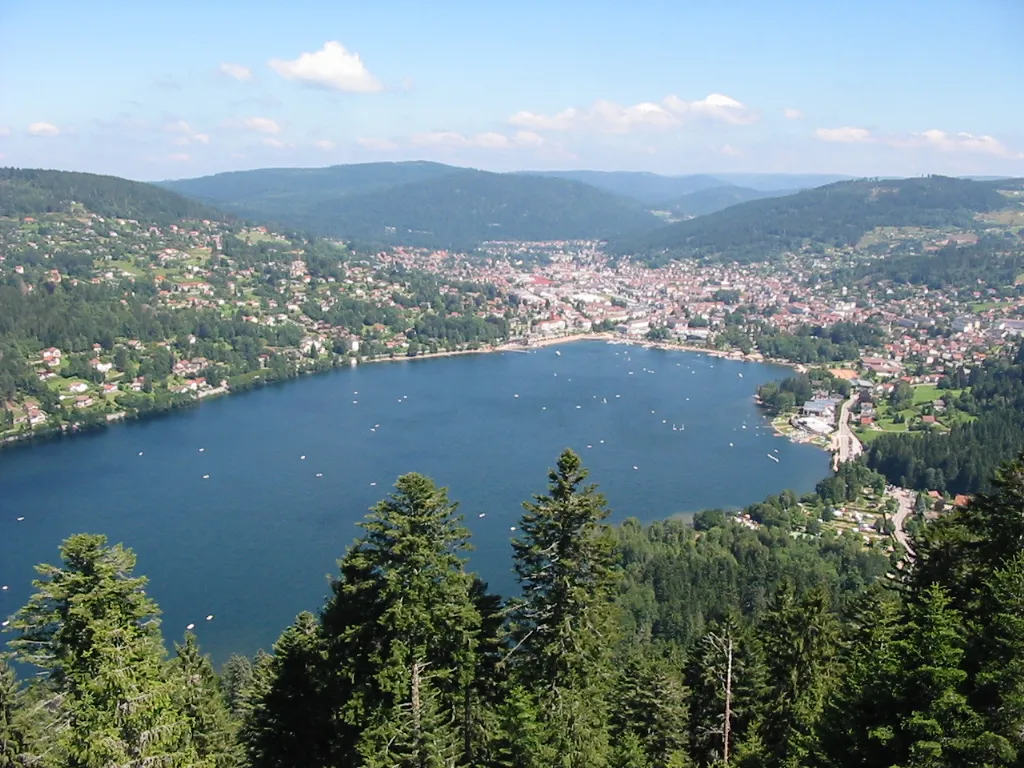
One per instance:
(446,207)
(28,192)
(648,188)
(714,199)
(277,190)
(836,215)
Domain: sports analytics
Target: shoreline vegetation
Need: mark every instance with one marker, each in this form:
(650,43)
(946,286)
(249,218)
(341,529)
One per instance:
(516,345)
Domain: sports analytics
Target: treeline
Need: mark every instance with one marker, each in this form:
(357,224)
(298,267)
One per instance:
(30,192)
(964,460)
(995,261)
(637,648)
(817,344)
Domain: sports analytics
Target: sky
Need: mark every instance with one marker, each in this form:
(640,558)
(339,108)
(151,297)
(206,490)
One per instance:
(159,90)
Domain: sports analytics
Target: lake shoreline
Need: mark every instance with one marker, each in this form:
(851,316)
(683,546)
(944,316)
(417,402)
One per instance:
(69,431)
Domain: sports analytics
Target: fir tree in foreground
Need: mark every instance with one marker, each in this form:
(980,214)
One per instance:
(563,626)
(412,664)
(106,685)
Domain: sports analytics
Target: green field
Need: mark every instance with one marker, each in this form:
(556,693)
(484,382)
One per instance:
(925,393)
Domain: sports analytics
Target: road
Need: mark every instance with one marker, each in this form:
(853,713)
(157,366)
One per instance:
(845,445)
(906,501)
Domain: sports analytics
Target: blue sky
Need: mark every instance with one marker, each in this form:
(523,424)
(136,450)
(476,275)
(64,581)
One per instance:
(153,90)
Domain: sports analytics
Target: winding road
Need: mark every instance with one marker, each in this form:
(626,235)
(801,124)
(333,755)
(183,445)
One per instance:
(845,445)
(905,498)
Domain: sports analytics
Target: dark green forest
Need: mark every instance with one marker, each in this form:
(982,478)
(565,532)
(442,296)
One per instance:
(423,204)
(633,647)
(836,215)
(28,192)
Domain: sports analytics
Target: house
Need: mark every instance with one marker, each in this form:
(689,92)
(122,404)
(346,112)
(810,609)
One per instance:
(78,386)
(109,389)
(824,408)
(52,357)
(84,401)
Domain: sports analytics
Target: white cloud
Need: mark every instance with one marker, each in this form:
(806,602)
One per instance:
(528,139)
(609,117)
(255,124)
(185,134)
(966,142)
(792,114)
(930,139)
(731,151)
(845,135)
(325,144)
(380,145)
(488,140)
(276,143)
(331,67)
(4,130)
(43,129)
(236,71)
(179,157)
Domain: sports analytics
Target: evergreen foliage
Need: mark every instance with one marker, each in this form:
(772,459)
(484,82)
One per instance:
(658,647)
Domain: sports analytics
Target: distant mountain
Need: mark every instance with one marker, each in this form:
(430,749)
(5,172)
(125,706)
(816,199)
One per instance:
(771,182)
(715,199)
(422,204)
(28,192)
(293,190)
(834,215)
(649,188)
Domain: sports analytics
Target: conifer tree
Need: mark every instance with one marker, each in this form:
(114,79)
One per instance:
(726,678)
(856,727)
(417,733)
(13,739)
(236,676)
(403,597)
(564,628)
(564,560)
(799,636)
(649,710)
(286,718)
(212,733)
(94,631)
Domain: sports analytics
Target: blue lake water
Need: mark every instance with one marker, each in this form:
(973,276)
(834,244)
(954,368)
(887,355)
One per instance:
(253,543)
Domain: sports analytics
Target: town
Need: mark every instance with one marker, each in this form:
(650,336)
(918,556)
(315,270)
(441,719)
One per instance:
(295,305)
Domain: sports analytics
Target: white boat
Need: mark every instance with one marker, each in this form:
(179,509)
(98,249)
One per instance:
(773,458)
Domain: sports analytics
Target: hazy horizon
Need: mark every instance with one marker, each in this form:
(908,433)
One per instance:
(161,92)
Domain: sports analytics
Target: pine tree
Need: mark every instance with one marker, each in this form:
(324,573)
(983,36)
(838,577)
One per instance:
(403,597)
(726,678)
(564,627)
(286,719)
(417,733)
(649,709)
(236,676)
(999,692)
(856,725)
(211,729)
(564,560)
(92,628)
(971,553)
(524,738)
(799,638)
(13,739)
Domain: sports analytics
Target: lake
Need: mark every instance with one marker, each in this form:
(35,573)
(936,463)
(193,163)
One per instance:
(229,519)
